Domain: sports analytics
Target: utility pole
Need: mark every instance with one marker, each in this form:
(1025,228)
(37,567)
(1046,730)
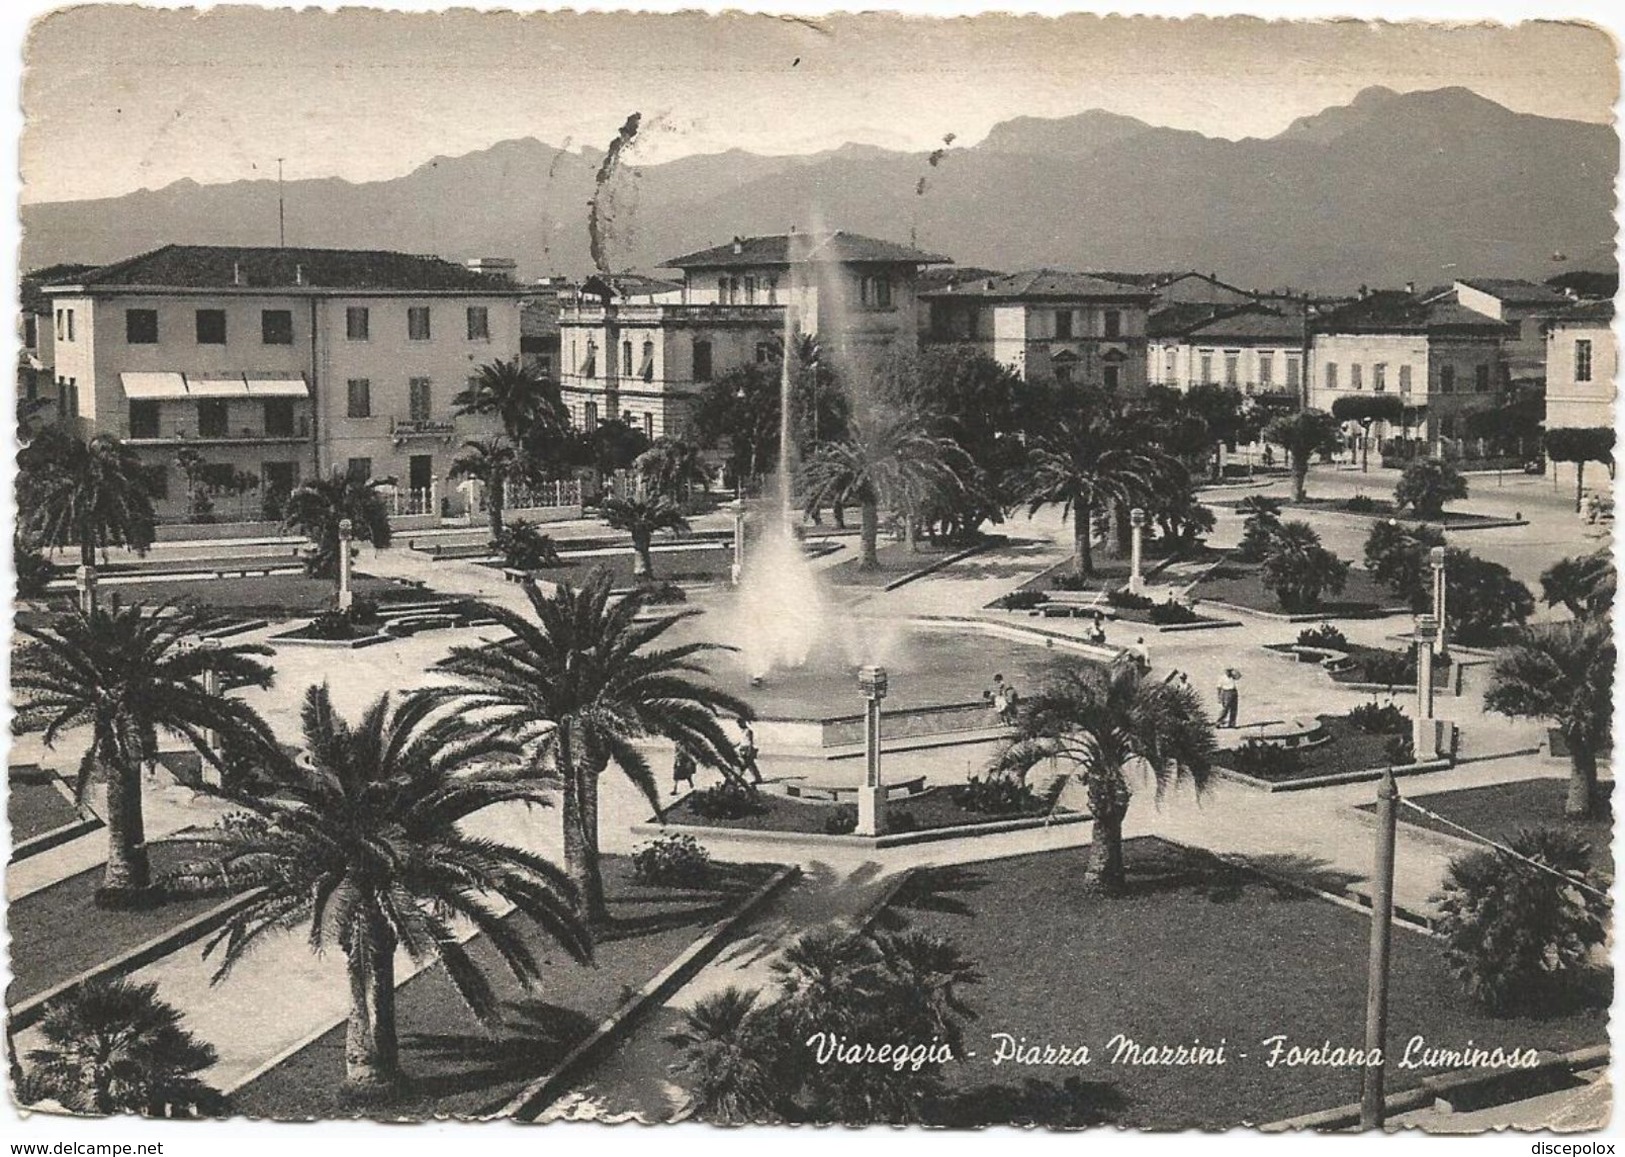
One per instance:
(281,216)
(1372,1106)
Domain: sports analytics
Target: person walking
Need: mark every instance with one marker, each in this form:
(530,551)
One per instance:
(746,750)
(1141,654)
(683,767)
(1229,697)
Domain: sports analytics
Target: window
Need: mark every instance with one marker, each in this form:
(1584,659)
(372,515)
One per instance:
(722,291)
(1481,379)
(359,469)
(649,425)
(646,371)
(750,291)
(589,364)
(1331,375)
(141,326)
(1447,379)
(211,327)
(1379,377)
(1063,373)
(156,477)
(1171,372)
(1404,379)
(626,359)
(417,399)
(1356,376)
(1114,323)
(144,419)
(1266,370)
(360,398)
(874,291)
(1294,371)
(357,322)
(702,360)
(1232,367)
(479,323)
(70,325)
(420,473)
(279,417)
(589,416)
(61,314)
(31,331)
(1207,367)
(276,327)
(1063,324)
(773,291)
(211,418)
(1447,426)
(1582,360)
(764,352)
(733,291)
(417,323)
(1112,375)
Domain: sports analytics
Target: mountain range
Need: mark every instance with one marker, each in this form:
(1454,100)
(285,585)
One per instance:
(1420,186)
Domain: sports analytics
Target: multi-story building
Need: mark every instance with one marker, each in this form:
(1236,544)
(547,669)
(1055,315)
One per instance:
(280,363)
(1257,350)
(36,353)
(1523,305)
(1582,364)
(1441,359)
(641,350)
(1048,325)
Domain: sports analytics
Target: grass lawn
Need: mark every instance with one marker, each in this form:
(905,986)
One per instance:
(263,596)
(36,806)
(1238,583)
(1195,949)
(896,561)
(1500,810)
(1109,574)
(457,1066)
(1385,508)
(58,932)
(1363,657)
(702,563)
(1350,749)
(932,808)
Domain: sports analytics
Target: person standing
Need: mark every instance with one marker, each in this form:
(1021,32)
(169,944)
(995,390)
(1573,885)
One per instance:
(682,770)
(746,750)
(1141,654)
(1229,697)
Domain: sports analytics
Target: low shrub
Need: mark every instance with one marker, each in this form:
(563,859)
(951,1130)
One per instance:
(901,821)
(1264,760)
(363,612)
(1128,600)
(332,625)
(1380,719)
(996,795)
(524,547)
(1400,750)
(1164,613)
(662,594)
(1394,668)
(1361,504)
(728,800)
(843,821)
(1023,600)
(675,860)
(34,570)
(1069,582)
(1325,635)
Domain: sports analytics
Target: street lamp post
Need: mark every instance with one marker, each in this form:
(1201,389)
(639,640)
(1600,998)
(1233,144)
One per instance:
(1424,731)
(872,794)
(1436,560)
(737,570)
(84,580)
(345,596)
(1373,1109)
(1136,520)
(211,738)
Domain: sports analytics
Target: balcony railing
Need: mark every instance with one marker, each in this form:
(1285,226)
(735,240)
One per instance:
(673,311)
(174,431)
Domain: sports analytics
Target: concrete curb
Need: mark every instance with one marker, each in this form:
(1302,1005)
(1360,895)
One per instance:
(1456,1088)
(29,1011)
(814,840)
(55,838)
(547,1088)
(1375,612)
(288,640)
(939,564)
(1342,777)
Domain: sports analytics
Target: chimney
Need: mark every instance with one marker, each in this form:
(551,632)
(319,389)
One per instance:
(298,274)
(1410,287)
(236,272)
(739,246)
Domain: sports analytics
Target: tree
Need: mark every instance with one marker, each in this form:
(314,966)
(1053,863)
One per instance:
(583,681)
(524,546)
(608,447)
(1303,435)
(317,507)
(888,458)
(1563,673)
(529,406)
(739,411)
(1515,935)
(33,569)
(129,673)
(727,1056)
(1226,417)
(1481,598)
(1088,461)
(641,516)
(1427,484)
(491,462)
(90,495)
(364,840)
(111,1046)
(1367,410)
(670,468)
(1101,722)
(1397,555)
(1298,569)
(1581,444)
(1261,518)
(1584,584)
(193,466)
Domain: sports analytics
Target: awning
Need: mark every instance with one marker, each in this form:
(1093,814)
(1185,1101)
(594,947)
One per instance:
(141,386)
(233,387)
(278,388)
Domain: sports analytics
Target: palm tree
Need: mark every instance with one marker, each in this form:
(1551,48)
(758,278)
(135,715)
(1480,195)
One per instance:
(85,494)
(491,462)
(529,406)
(671,467)
(584,680)
(129,673)
(641,515)
(111,1046)
(1563,673)
(726,1057)
(1584,584)
(1102,720)
(1298,569)
(887,457)
(1303,435)
(1086,462)
(317,507)
(363,840)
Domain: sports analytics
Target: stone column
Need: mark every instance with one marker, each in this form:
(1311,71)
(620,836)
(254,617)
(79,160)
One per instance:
(1424,732)
(345,597)
(211,738)
(1436,560)
(84,580)
(1136,520)
(872,795)
(434,496)
(737,571)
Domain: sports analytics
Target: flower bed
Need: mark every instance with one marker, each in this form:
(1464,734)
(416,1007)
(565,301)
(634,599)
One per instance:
(1372,666)
(1238,584)
(1349,751)
(932,809)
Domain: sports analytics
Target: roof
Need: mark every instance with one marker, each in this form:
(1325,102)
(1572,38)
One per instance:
(33,282)
(1395,311)
(235,267)
(628,285)
(785,248)
(942,277)
(1585,313)
(1168,277)
(1515,292)
(1181,317)
(1047,284)
(1250,325)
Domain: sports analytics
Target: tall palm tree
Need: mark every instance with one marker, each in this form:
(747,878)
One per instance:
(529,406)
(584,680)
(1087,460)
(491,462)
(888,457)
(364,841)
(128,674)
(88,495)
(1303,435)
(1563,673)
(111,1046)
(641,515)
(1101,721)
(1584,584)
(317,507)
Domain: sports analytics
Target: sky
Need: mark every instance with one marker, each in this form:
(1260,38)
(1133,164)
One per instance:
(155,96)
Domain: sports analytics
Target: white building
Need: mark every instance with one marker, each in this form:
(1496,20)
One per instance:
(1255,350)
(1582,366)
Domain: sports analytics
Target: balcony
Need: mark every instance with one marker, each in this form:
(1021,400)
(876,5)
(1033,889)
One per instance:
(676,313)
(167,432)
